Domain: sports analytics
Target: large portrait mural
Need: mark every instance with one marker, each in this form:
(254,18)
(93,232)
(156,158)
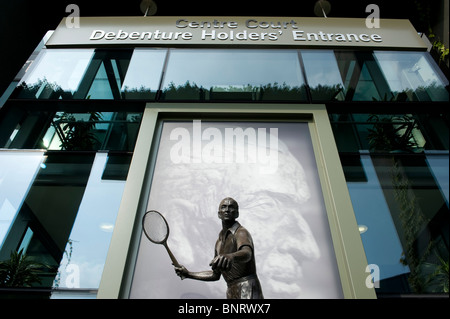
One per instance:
(269,168)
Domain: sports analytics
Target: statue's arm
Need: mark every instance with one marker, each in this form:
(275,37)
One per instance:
(243,255)
(208,275)
(224,262)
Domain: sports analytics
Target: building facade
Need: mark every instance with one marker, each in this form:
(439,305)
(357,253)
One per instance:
(332,137)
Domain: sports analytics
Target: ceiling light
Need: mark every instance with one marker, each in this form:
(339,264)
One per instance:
(362,229)
(322,8)
(148,7)
(106,227)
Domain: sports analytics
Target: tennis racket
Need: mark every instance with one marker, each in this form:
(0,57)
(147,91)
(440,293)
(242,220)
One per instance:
(156,229)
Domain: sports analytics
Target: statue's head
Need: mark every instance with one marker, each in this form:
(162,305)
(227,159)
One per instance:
(228,209)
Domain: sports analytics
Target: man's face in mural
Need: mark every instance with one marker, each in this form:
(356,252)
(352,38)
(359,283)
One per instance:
(270,206)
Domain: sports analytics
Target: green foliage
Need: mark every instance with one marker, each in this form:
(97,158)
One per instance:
(328,92)
(439,278)
(385,136)
(20,271)
(78,135)
(270,91)
(187,91)
(441,273)
(141,92)
(43,89)
(440,48)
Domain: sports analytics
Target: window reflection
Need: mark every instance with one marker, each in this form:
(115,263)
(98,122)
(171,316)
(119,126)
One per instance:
(361,76)
(61,213)
(77,74)
(399,189)
(381,240)
(17,172)
(70,131)
(48,211)
(93,131)
(234,74)
(439,166)
(104,76)
(144,74)
(247,75)
(411,76)
(390,132)
(57,74)
(322,72)
(86,248)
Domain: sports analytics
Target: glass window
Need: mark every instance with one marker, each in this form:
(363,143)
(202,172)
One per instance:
(17,172)
(93,131)
(144,74)
(397,174)
(412,76)
(248,75)
(77,74)
(58,204)
(89,74)
(59,210)
(56,74)
(44,220)
(233,74)
(105,75)
(363,81)
(322,73)
(30,128)
(87,245)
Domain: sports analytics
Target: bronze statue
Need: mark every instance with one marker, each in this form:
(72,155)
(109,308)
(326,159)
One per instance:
(234,257)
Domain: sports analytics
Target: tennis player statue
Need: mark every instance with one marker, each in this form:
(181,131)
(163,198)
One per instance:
(234,257)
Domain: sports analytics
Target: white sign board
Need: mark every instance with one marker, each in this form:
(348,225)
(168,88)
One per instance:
(271,31)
